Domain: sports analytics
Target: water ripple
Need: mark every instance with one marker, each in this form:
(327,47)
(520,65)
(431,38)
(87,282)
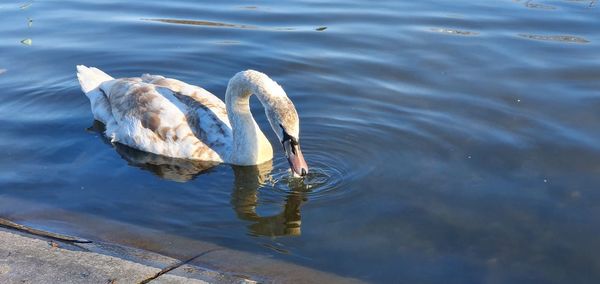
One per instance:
(454,32)
(202,23)
(534,5)
(557,38)
(336,157)
(326,179)
(416,117)
(227,25)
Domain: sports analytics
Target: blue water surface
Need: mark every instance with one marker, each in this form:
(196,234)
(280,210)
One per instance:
(449,141)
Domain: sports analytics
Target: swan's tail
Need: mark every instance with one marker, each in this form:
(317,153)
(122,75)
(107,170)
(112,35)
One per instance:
(90,78)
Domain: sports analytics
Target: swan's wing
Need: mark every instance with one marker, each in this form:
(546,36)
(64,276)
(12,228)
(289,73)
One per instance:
(203,97)
(213,124)
(100,106)
(207,112)
(153,119)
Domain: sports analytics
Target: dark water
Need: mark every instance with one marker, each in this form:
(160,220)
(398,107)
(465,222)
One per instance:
(451,141)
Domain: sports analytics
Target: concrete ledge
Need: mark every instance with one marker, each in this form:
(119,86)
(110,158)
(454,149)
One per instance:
(193,258)
(26,258)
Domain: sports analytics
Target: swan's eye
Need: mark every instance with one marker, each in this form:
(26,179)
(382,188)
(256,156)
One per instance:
(287,137)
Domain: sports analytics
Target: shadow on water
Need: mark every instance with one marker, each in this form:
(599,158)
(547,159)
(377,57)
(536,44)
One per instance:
(244,197)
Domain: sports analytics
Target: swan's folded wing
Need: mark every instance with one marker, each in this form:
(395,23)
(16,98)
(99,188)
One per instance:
(199,94)
(206,113)
(153,120)
(100,106)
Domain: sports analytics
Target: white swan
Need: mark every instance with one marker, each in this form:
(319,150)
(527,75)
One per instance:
(168,117)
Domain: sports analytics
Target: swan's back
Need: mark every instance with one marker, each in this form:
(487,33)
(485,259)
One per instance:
(159,115)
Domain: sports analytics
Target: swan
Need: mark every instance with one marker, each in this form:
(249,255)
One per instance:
(168,117)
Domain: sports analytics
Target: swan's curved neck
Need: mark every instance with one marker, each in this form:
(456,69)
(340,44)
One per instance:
(250,146)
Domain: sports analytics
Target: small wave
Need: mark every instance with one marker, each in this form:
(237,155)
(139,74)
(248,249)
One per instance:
(454,32)
(557,38)
(202,23)
(324,180)
(534,5)
(228,25)
(335,159)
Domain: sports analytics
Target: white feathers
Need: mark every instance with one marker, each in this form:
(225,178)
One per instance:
(91,78)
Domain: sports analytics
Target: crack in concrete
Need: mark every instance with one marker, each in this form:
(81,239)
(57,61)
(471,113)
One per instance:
(59,237)
(177,265)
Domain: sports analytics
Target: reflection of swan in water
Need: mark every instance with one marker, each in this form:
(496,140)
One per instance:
(244,198)
(180,170)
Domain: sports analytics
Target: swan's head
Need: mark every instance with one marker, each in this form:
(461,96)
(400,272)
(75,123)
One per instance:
(280,111)
(285,123)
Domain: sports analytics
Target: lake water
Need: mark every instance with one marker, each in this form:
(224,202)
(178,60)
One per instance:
(449,141)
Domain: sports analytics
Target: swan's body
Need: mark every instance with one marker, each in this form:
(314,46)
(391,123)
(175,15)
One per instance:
(171,118)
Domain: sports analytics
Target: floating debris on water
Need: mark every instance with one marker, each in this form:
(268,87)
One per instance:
(228,42)
(453,32)
(27,42)
(2,71)
(320,29)
(26,5)
(29,22)
(533,5)
(558,38)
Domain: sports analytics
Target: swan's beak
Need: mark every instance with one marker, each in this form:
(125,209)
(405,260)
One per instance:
(295,157)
